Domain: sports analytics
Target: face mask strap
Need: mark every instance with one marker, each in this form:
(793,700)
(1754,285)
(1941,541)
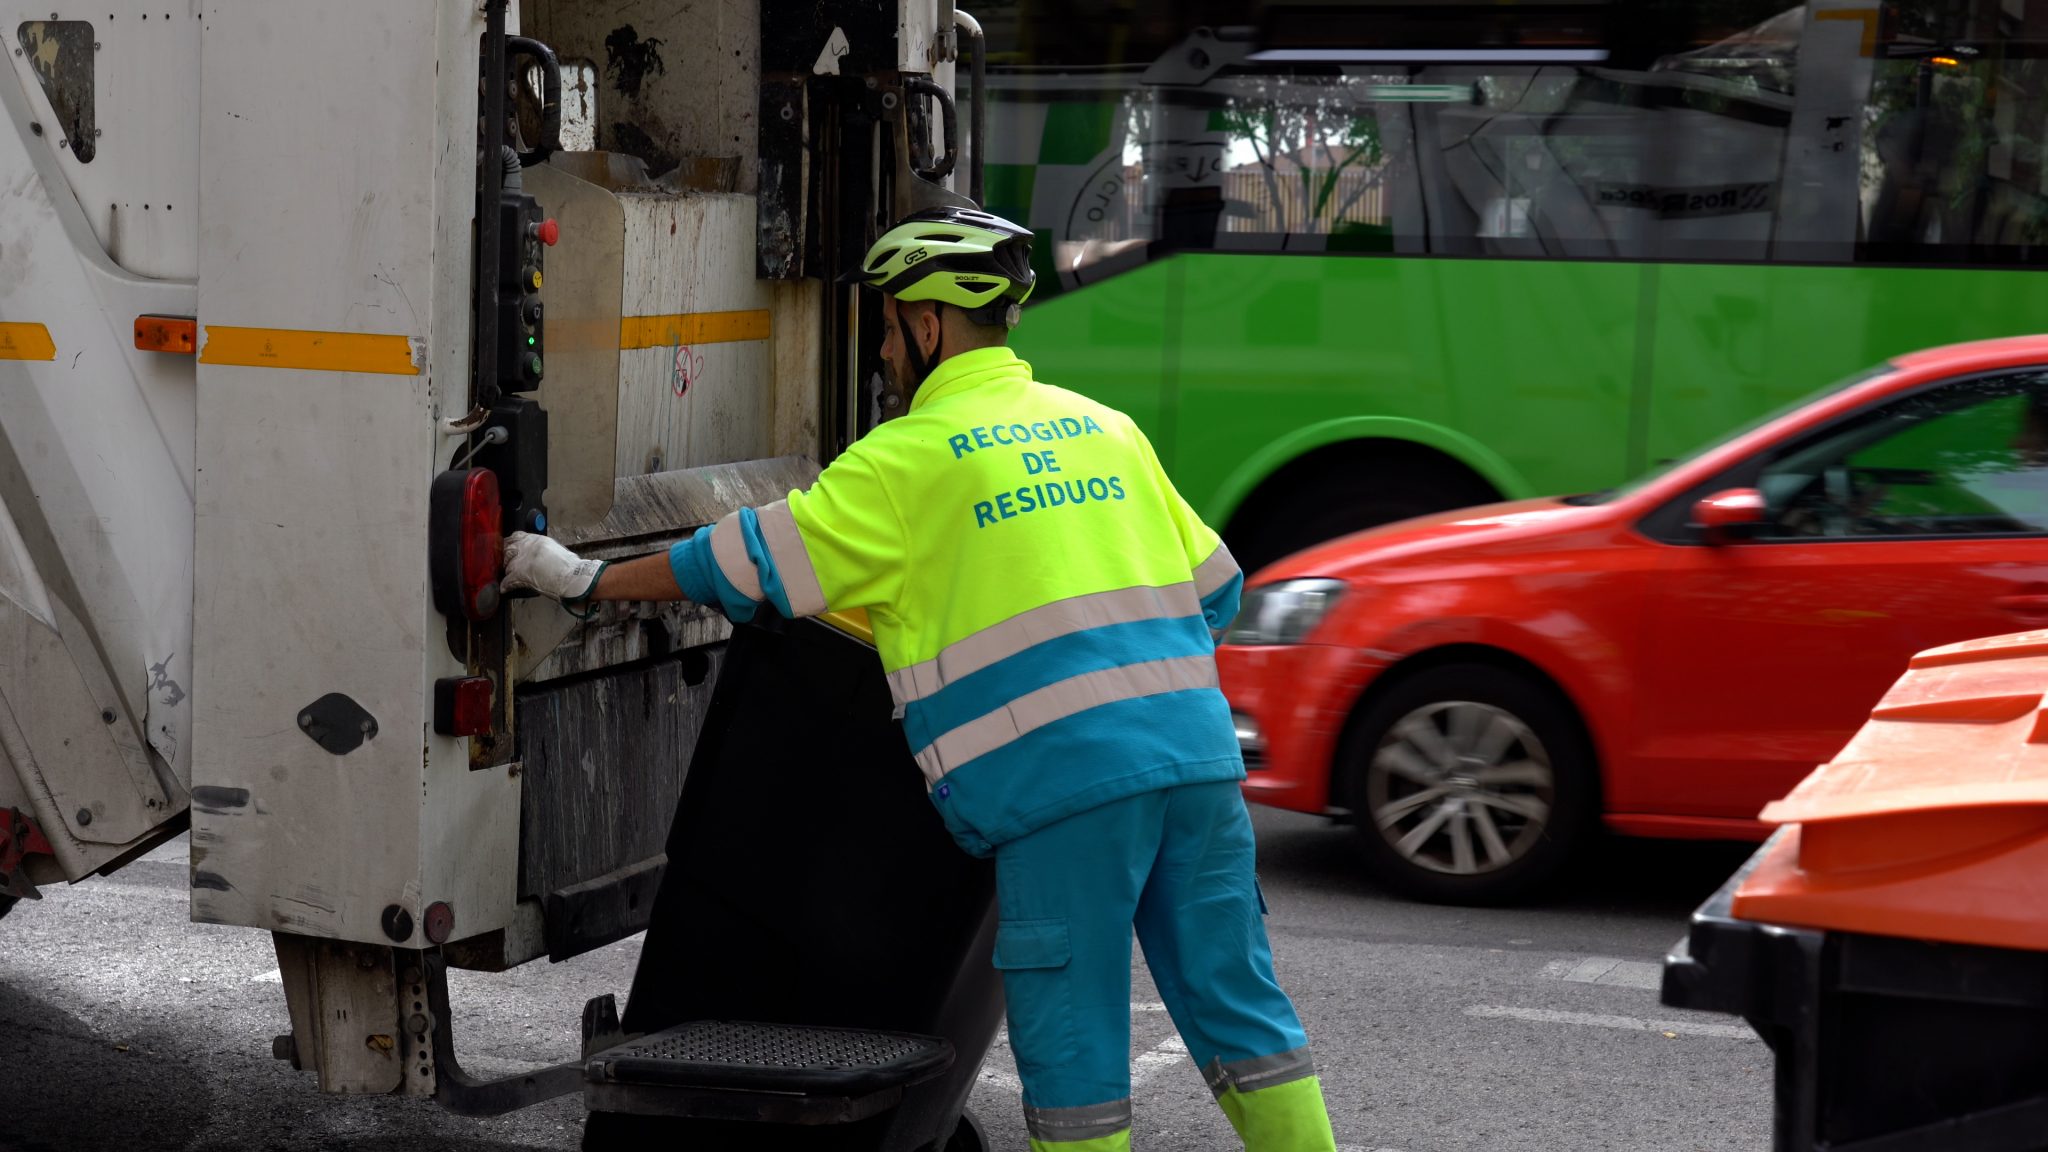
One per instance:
(920,365)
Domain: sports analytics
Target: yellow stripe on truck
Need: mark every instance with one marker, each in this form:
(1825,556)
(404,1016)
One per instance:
(312,351)
(692,328)
(19,341)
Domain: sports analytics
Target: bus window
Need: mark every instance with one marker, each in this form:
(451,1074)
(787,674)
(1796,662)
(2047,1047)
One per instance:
(1546,255)
(1955,133)
(1912,132)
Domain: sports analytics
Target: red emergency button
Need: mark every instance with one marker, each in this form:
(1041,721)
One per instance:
(549,232)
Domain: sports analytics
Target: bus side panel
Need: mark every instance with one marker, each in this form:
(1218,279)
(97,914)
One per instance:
(1733,342)
(1110,343)
(1520,355)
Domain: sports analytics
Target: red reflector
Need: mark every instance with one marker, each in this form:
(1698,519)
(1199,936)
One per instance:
(462,707)
(439,922)
(177,334)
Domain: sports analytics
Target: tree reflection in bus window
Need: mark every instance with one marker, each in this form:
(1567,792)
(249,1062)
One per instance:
(1808,138)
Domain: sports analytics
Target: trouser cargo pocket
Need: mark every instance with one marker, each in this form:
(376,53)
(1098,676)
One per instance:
(1034,956)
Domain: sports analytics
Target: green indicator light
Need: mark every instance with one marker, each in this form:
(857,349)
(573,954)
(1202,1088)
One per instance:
(530,341)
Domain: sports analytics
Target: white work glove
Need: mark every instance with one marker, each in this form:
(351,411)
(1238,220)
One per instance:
(538,563)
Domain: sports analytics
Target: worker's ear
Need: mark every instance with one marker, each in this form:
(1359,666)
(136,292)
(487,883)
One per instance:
(930,325)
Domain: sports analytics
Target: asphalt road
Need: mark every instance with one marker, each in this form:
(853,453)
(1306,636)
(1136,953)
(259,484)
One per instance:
(125,1027)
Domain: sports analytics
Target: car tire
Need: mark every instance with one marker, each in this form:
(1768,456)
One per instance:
(1336,497)
(6,906)
(1474,753)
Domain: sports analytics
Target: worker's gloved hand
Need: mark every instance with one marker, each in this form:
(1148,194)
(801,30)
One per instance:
(538,563)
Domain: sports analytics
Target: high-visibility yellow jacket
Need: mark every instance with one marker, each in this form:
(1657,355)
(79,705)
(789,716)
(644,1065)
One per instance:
(1041,596)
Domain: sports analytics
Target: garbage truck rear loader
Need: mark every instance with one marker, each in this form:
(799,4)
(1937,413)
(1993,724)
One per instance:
(304,307)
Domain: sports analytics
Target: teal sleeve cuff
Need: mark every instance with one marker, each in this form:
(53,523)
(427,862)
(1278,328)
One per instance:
(1219,608)
(764,563)
(697,574)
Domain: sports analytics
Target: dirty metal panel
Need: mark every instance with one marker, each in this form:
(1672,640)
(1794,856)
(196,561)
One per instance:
(471,857)
(703,394)
(839,37)
(582,294)
(343,1000)
(675,82)
(783,197)
(97,571)
(585,917)
(628,634)
(579,106)
(312,509)
(798,372)
(61,54)
(605,760)
(61,726)
(649,511)
(113,96)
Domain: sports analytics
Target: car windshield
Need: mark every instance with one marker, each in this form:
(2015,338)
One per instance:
(1664,466)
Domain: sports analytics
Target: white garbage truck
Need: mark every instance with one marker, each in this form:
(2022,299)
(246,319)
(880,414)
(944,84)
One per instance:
(304,306)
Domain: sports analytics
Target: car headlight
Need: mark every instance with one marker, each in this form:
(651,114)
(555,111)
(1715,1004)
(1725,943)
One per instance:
(1283,613)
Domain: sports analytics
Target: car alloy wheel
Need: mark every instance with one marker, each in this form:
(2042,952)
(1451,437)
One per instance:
(1469,783)
(1460,787)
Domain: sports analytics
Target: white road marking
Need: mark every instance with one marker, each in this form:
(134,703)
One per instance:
(1144,1066)
(1607,970)
(1626,1023)
(271,977)
(1172,1050)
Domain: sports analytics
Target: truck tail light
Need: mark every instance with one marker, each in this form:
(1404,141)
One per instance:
(463,706)
(467,547)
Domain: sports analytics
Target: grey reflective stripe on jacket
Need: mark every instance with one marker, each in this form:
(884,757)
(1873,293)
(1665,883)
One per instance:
(1007,638)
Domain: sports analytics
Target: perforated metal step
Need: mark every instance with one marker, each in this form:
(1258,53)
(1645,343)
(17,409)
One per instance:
(777,1046)
(791,1073)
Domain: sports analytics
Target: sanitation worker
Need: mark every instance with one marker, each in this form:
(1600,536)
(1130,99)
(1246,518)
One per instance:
(1043,602)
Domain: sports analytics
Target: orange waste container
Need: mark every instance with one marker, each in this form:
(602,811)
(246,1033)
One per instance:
(1890,942)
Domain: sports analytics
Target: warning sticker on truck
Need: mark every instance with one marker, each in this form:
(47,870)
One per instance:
(1669,203)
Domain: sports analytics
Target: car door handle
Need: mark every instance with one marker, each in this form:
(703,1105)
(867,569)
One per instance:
(2036,605)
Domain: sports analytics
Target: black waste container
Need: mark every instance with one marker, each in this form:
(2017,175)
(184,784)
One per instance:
(810,882)
(1882,1043)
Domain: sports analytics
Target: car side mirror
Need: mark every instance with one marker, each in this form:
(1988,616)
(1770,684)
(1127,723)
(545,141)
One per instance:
(1729,515)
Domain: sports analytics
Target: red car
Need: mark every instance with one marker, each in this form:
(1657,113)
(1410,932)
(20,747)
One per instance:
(1478,690)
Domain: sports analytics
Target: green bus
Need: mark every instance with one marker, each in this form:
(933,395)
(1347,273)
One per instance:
(1352,262)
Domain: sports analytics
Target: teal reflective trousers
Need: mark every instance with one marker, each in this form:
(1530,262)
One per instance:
(1177,864)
